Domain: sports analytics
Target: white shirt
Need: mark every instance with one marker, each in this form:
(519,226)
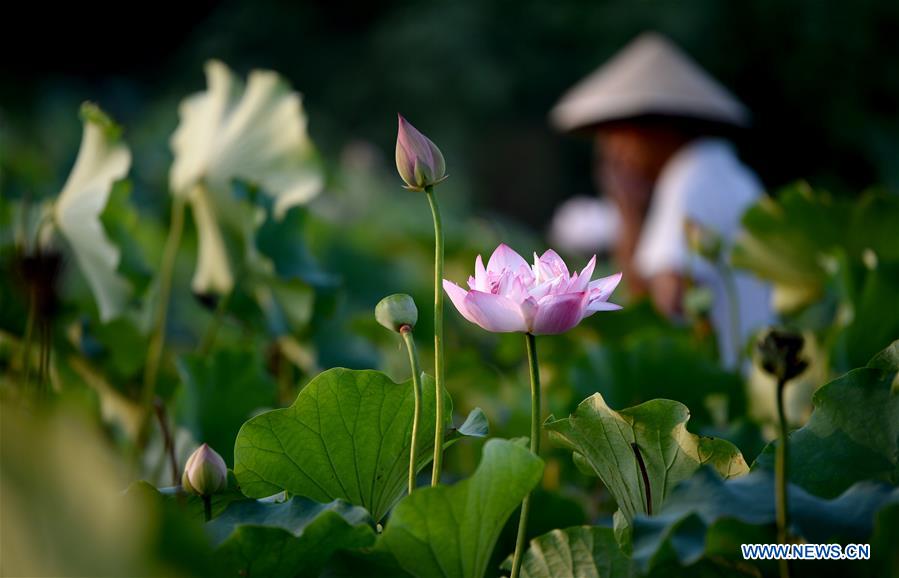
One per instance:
(705,182)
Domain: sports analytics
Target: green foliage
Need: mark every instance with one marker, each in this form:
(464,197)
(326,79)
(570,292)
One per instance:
(852,435)
(292,538)
(784,241)
(869,325)
(450,531)
(658,363)
(221,391)
(346,436)
(612,444)
(707,517)
(792,240)
(582,551)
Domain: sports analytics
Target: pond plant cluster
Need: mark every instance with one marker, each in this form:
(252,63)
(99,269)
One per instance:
(146,431)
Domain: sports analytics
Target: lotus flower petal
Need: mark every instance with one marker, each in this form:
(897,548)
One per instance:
(504,258)
(495,313)
(558,313)
(508,295)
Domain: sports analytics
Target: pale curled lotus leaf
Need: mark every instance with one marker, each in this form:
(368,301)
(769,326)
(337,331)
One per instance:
(255,133)
(102,160)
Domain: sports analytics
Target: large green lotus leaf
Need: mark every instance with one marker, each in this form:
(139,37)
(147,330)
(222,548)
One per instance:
(450,531)
(347,436)
(221,391)
(707,516)
(579,552)
(853,433)
(603,442)
(191,504)
(292,538)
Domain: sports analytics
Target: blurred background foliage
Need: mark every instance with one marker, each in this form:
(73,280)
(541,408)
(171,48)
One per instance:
(479,78)
(819,78)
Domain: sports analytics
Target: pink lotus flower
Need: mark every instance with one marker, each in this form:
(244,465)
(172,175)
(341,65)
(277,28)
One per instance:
(418,160)
(511,296)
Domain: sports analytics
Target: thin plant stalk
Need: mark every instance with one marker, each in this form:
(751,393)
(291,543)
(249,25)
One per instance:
(29,337)
(780,479)
(535,449)
(207,507)
(44,360)
(406,332)
(157,340)
(733,307)
(439,368)
(168,441)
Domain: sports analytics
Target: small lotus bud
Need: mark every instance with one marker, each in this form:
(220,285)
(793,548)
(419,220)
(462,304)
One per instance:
(205,473)
(703,241)
(396,311)
(418,160)
(779,354)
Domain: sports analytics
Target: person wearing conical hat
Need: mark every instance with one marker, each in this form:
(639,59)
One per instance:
(658,122)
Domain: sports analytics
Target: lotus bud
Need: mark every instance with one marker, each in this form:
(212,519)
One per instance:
(205,473)
(779,354)
(703,241)
(396,311)
(418,160)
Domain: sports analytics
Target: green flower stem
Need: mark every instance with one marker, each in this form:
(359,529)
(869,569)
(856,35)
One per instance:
(780,478)
(157,340)
(733,307)
(207,507)
(406,332)
(438,335)
(535,449)
(168,446)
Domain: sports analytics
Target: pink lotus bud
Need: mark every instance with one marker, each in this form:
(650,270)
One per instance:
(418,160)
(205,473)
(508,295)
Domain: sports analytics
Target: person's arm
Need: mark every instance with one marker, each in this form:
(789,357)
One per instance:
(667,292)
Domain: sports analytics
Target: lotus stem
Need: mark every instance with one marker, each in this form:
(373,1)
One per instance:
(168,446)
(535,449)
(438,336)
(157,339)
(733,308)
(406,332)
(780,478)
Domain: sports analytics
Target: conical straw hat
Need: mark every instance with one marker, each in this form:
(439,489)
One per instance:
(650,76)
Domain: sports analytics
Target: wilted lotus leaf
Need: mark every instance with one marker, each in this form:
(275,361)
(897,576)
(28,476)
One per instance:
(254,133)
(102,160)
